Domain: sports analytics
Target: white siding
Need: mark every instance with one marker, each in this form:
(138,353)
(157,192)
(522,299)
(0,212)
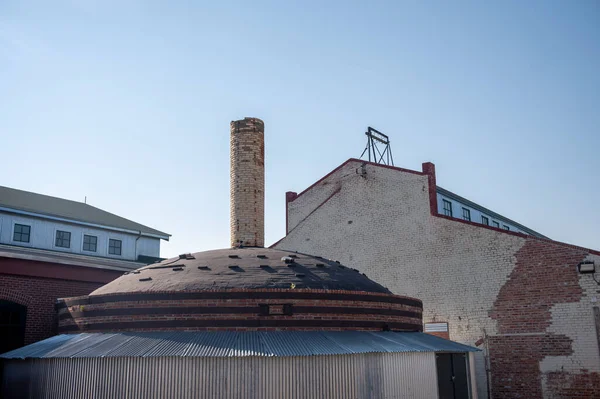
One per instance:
(457,212)
(43,235)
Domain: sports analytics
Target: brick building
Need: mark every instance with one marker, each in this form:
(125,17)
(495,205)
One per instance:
(241,322)
(518,297)
(52,248)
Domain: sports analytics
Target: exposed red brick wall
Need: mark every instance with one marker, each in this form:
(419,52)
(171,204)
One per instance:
(37,285)
(575,386)
(544,276)
(41,294)
(445,334)
(521,294)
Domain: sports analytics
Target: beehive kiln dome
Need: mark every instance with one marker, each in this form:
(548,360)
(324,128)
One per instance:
(241,289)
(242,268)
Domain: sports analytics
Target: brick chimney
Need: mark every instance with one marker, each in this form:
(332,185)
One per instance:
(247,183)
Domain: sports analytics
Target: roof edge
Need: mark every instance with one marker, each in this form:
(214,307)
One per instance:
(355,160)
(79,222)
(67,258)
(491,213)
(278,344)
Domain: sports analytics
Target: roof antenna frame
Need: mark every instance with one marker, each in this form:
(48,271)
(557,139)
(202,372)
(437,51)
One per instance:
(384,157)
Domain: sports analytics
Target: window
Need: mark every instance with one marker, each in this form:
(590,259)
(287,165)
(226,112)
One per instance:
(114,247)
(63,239)
(447,208)
(506,227)
(496,224)
(90,243)
(466,214)
(485,220)
(22,233)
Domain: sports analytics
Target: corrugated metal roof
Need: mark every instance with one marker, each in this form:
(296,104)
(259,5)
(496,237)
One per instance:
(233,344)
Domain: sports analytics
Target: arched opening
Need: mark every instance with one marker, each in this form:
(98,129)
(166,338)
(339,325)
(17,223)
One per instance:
(12,325)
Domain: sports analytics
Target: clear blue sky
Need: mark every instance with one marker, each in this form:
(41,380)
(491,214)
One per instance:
(129,103)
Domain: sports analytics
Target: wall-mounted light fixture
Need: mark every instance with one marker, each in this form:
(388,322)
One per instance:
(586,267)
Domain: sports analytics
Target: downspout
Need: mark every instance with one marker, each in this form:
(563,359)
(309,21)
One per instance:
(136,240)
(488,366)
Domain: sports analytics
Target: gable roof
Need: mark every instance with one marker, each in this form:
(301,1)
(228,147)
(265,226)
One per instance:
(439,190)
(26,202)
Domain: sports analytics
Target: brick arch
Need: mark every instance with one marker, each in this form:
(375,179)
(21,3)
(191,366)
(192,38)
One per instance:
(15,296)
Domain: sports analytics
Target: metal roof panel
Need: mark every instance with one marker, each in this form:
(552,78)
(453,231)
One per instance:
(234,344)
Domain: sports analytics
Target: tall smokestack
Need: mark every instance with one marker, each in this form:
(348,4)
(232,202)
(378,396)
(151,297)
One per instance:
(247,183)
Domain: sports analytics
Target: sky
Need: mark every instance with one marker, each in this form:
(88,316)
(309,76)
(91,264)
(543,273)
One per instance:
(128,103)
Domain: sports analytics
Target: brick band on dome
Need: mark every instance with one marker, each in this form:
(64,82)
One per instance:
(241,289)
(249,310)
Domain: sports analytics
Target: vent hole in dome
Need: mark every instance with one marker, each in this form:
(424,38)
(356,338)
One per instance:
(186,256)
(236,268)
(203,267)
(146,279)
(177,269)
(167,266)
(300,275)
(320,264)
(234,256)
(261,256)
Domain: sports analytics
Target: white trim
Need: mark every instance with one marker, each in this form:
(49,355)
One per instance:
(42,216)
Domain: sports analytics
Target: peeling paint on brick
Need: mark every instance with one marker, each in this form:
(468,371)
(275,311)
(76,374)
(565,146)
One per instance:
(482,281)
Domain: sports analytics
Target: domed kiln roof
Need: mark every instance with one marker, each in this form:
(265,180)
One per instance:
(242,268)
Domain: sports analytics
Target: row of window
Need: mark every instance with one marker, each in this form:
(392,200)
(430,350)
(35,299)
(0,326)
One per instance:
(22,233)
(466,214)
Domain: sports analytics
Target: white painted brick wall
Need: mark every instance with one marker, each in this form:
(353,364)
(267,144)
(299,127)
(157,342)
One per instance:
(382,226)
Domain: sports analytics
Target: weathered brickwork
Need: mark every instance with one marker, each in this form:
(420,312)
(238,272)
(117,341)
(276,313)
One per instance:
(255,310)
(247,175)
(518,298)
(39,295)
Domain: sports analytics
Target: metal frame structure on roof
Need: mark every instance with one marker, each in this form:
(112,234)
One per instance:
(384,157)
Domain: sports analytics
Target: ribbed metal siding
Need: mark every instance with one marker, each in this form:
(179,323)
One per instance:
(366,375)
